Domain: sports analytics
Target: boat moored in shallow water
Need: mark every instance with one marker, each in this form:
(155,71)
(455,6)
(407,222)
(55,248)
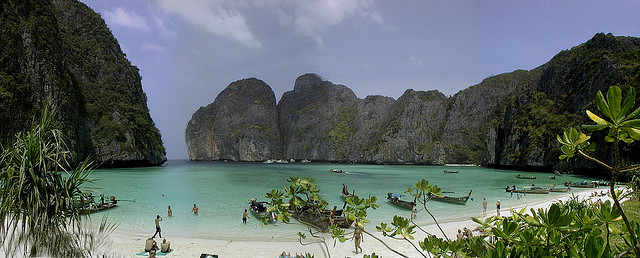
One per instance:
(259,210)
(449,199)
(395,200)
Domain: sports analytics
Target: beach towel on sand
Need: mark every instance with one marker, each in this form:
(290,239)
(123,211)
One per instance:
(157,253)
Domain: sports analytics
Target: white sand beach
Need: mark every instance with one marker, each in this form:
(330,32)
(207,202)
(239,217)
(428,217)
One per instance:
(126,244)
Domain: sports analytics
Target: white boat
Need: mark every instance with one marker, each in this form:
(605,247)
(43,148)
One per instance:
(305,161)
(282,161)
(269,161)
(292,161)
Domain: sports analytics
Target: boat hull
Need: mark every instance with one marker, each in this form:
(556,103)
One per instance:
(532,191)
(455,200)
(259,210)
(346,195)
(400,203)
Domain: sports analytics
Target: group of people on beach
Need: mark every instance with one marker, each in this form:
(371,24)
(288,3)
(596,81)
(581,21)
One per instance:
(151,245)
(464,234)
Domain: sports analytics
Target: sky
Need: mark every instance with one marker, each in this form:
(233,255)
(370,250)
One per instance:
(188,51)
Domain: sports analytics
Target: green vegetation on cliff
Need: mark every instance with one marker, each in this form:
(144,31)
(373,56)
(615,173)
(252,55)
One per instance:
(62,53)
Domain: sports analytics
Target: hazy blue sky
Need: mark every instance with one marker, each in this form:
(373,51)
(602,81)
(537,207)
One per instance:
(190,50)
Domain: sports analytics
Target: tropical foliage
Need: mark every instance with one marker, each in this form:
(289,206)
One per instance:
(575,228)
(623,125)
(39,197)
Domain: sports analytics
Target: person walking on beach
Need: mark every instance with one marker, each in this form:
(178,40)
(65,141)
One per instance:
(158,219)
(414,212)
(169,212)
(195,209)
(484,206)
(244,216)
(357,238)
(498,208)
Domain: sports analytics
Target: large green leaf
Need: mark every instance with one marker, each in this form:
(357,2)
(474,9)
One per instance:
(634,133)
(634,114)
(614,99)
(602,105)
(594,127)
(632,123)
(597,119)
(629,101)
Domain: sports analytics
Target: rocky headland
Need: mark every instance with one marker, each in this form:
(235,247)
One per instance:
(61,54)
(509,120)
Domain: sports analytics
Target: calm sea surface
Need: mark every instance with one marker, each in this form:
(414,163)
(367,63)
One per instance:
(221,191)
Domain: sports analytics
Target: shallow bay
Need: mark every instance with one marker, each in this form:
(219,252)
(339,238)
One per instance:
(221,191)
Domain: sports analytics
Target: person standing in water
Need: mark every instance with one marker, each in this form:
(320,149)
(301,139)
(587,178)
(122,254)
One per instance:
(158,219)
(244,216)
(484,206)
(195,209)
(169,212)
(498,208)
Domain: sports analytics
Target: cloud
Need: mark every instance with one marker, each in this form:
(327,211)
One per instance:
(376,17)
(308,18)
(163,28)
(152,47)
(414,60)
(217,17)
(126,18)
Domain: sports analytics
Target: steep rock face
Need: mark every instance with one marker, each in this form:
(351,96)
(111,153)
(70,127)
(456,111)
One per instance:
(240,125)
(475,113)
(317,120)
(371,115)
(509,120)
(412,129)
(566,88)
(33,73)
(60,53)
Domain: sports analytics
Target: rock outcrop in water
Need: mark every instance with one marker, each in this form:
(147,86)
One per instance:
(509,120)
(60,53)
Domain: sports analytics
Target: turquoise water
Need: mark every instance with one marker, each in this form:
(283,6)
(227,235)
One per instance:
(221,191)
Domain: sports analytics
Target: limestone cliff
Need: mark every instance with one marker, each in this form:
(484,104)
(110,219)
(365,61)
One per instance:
(317,120)
(60,53)
(509,120)
(566,87)
(412,129)
(240,125)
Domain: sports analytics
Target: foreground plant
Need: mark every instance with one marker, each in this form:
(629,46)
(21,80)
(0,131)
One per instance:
(623,126)
(302,196)
(39,213)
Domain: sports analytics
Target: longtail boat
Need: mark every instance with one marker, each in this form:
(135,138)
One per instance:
(449,199)
(395,200)
(90,205)
(259,209)
(343,195)
(583,184)
(559,189)
(323,220)
(526,177)
(533,190)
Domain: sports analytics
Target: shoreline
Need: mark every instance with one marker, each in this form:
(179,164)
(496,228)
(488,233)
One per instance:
(124,243)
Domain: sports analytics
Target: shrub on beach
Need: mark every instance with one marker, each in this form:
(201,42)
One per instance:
(38,197)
